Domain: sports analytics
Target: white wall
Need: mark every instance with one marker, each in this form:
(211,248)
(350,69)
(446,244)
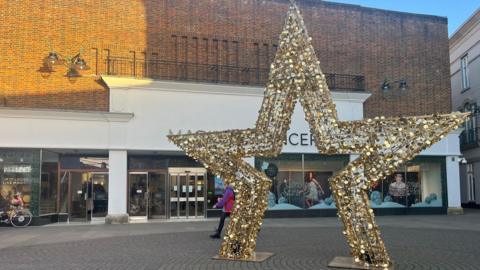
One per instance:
(466,41)
(453,182)
(117,182)
(143,112)
(62,129)
(160,106)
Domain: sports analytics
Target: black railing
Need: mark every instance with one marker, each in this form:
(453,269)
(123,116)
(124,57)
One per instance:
(227,74)
(469,138)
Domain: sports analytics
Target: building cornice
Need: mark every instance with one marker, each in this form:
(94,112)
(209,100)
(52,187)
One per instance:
(126,83)
(65,115)
(465,28)
(441,19)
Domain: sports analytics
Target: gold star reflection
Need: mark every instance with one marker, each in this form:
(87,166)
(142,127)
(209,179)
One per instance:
(382,145)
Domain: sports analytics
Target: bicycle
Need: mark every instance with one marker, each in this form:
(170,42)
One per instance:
(17,217)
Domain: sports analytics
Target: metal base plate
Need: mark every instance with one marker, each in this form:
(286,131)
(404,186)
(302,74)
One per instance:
(349,263)
(256,257)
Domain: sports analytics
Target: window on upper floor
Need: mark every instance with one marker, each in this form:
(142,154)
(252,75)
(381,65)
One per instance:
(470,131)
(464,72)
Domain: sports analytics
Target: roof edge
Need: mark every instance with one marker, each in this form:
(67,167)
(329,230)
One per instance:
(441,19)
(465,26)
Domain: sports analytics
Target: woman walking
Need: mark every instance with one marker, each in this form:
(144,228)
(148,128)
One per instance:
(226,202)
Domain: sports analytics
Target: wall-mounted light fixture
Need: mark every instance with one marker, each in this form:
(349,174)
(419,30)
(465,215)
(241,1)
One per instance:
(387,86)
(74,63)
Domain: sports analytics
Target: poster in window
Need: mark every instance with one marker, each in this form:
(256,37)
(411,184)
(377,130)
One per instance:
(219,186)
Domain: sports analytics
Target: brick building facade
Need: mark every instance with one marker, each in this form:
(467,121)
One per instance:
(100,152)
(187,39)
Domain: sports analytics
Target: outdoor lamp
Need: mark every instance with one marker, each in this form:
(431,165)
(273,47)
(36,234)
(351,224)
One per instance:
(385,85)
(402,85)
(74,64)
(52,58)
(81,64)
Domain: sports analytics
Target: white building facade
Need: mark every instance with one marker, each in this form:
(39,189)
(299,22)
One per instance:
(86,166)
(464,70)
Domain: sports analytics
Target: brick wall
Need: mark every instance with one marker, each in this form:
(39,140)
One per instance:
(348,40)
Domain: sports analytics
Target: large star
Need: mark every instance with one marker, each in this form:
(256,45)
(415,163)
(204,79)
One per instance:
(382,145)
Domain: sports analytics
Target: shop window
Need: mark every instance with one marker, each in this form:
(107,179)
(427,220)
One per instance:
(48,182)
(215,187)
(19,177)
(63,201)
(416,184)
(300,181)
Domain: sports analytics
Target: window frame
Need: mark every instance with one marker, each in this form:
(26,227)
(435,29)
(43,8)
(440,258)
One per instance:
(470,183)
(464,72)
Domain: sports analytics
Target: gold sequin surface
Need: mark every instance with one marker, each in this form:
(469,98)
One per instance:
(383,144)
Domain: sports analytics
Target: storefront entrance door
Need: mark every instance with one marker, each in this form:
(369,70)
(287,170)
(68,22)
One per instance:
(157,192)
(187,192)
(87,194)
(146,195)
(137,196)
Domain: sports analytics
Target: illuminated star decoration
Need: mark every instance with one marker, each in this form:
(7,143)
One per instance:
(382,145)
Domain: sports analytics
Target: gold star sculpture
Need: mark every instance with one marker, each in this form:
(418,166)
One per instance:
(382,145)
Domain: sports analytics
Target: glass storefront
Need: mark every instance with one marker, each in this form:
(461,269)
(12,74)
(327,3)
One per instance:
(20,175)
(162,186)
(49,183)
(215,187)
(76,187)
(147,194)
(34,175)
(418,183)
(83,187)
(300,181)
(187,192)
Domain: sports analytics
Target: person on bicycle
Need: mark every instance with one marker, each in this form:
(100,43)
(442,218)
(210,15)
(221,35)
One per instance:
(17,200)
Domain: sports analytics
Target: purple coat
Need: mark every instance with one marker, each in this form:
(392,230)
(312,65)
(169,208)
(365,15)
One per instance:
(227,200)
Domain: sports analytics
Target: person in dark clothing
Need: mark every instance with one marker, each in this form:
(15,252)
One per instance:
(226,203)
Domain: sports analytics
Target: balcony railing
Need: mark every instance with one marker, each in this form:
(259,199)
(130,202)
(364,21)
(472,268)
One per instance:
(469,138)
(225,74)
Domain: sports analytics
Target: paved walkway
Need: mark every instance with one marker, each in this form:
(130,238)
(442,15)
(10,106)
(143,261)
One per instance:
(414,242)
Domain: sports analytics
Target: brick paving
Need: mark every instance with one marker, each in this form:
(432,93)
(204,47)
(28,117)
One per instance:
(414,242)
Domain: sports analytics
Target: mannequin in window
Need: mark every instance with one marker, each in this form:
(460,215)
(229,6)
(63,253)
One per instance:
(283,189)
(312,191)
(398,189)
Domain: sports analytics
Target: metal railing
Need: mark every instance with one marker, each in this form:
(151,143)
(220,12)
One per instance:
(469,138)
(225,74)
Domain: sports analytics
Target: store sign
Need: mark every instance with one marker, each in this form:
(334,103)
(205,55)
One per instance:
(14,181)
(17,169)
(300,139)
